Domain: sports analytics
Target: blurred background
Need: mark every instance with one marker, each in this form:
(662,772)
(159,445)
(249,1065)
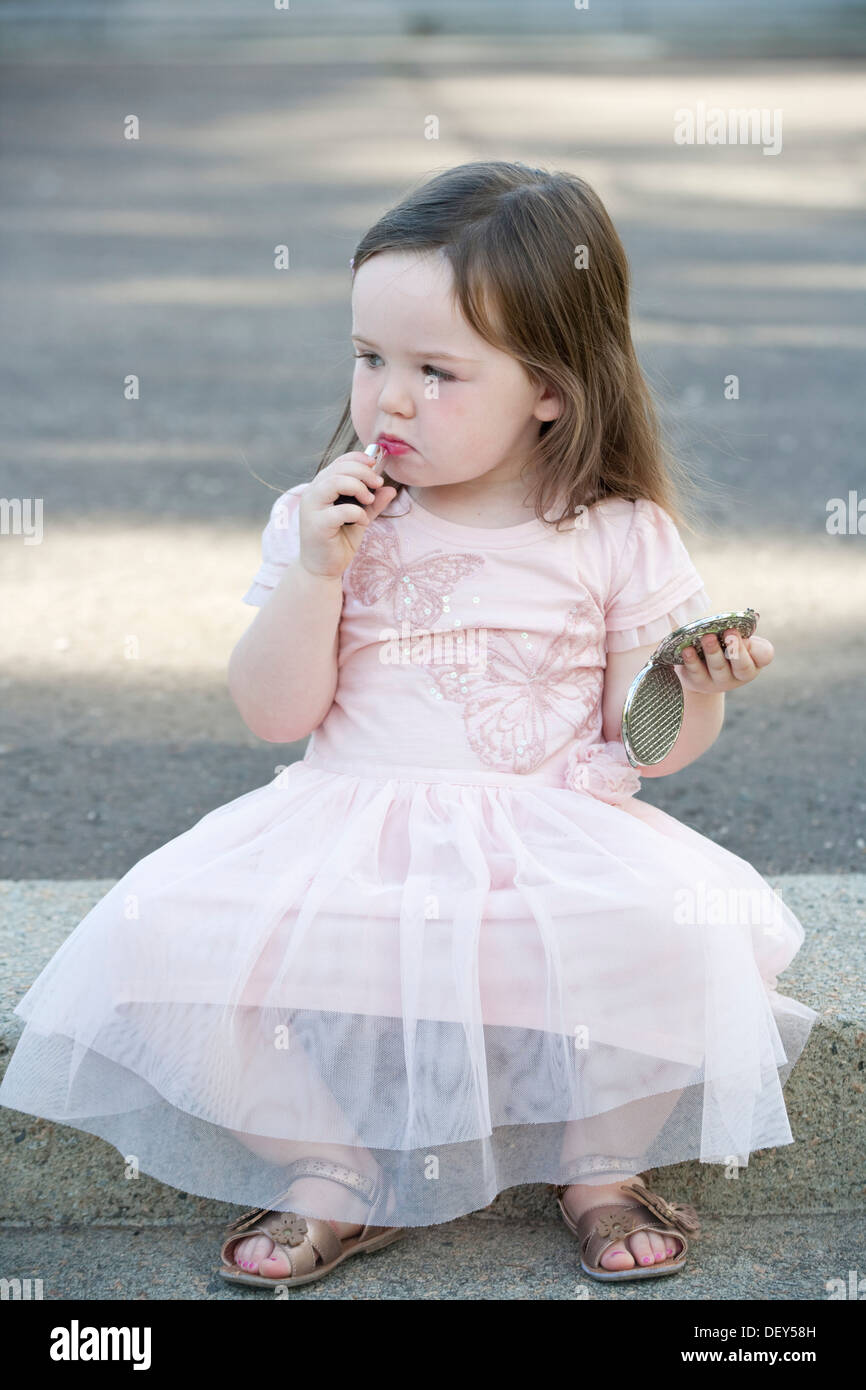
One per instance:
(154,257)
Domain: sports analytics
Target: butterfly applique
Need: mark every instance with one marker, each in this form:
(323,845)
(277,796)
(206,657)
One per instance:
(511,703)
(417,588)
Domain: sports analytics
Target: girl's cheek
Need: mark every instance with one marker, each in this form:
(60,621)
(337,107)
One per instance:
(442,408)
(362,401)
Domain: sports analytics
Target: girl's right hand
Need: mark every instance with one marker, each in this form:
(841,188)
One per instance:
(328,542)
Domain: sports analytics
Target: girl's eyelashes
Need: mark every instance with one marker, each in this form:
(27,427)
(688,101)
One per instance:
(427,369)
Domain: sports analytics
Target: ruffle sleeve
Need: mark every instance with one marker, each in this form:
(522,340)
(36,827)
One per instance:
(281,543)
(656,587)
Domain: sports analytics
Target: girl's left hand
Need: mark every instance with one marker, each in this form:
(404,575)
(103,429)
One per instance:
(749,655)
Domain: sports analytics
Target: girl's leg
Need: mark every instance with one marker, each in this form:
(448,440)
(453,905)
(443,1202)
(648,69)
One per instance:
(318,1195)
(594,1147)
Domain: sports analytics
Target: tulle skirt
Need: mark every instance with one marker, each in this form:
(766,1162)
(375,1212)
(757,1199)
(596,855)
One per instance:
(468,985)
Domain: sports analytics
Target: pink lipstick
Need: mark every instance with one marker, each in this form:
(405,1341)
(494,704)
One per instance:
(392,445)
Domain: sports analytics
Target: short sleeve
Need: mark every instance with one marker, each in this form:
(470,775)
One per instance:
(281,544)
(656,587)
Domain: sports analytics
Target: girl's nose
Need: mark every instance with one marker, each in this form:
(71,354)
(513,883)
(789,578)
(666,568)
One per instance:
(395,398)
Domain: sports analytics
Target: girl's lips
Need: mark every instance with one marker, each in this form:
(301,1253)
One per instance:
(394,446)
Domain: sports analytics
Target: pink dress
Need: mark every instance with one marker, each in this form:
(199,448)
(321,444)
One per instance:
(450,935)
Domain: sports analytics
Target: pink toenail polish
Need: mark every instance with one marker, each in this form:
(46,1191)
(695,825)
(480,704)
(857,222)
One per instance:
(646,1260)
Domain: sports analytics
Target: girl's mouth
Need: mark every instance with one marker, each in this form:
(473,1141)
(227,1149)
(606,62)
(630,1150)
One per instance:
(393,446)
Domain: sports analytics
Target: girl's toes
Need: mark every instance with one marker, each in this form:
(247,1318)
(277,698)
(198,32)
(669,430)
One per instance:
(248,1253)
(616,1257)
(658,1247)
(276,1265)
(241,1253)
(641,1249)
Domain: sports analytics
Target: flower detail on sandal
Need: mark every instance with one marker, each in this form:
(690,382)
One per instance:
(612,1226)
(289,1230)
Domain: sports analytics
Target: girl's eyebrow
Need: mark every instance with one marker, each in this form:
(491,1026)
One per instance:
(452,356)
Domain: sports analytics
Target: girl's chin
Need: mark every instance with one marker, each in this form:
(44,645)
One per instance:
(400,468)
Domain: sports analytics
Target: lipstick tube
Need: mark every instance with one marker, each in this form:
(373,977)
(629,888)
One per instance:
(374,452)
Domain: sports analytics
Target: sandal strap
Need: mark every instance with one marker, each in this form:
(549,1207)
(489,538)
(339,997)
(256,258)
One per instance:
(368,1188)
(679,1214)
(312,1167)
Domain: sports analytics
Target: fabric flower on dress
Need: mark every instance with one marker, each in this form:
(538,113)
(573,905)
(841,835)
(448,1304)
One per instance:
(603,770)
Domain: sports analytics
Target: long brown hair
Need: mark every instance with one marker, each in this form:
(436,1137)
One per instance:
(540,272)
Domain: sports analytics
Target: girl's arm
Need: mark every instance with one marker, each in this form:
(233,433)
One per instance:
(282,673)
(703,714)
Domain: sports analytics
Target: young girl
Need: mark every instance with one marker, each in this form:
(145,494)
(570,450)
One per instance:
(448,952)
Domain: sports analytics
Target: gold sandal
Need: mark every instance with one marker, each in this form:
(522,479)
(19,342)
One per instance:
(603,1225)
(310,1243)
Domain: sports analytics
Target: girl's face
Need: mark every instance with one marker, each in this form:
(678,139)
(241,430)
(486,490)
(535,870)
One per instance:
(465,415)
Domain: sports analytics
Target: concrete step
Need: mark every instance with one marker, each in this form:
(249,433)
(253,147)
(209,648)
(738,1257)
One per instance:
(54,1174)
(478,1257)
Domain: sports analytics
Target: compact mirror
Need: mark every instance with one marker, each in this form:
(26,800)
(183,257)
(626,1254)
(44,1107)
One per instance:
(652,715)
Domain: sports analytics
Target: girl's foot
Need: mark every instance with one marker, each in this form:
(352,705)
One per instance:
(259,1254)
(642,1248)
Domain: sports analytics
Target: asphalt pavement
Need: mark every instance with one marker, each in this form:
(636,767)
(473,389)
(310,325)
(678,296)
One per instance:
(155,258)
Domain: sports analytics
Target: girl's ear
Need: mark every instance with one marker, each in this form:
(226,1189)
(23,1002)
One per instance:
(548,405)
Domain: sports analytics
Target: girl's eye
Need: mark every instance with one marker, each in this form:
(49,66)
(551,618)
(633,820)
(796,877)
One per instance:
(437,372)
(428,370)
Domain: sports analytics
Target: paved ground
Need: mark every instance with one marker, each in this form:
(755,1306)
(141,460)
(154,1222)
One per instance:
(755,1258)
(154,257)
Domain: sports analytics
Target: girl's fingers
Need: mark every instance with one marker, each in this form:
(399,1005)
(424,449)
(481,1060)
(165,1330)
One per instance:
(745,658)
(384,495)
(698,674)
(742,666)
(761,650)
(717,664)
(346,483)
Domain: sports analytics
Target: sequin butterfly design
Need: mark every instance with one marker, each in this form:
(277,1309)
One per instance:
(416,589)
(510,704)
